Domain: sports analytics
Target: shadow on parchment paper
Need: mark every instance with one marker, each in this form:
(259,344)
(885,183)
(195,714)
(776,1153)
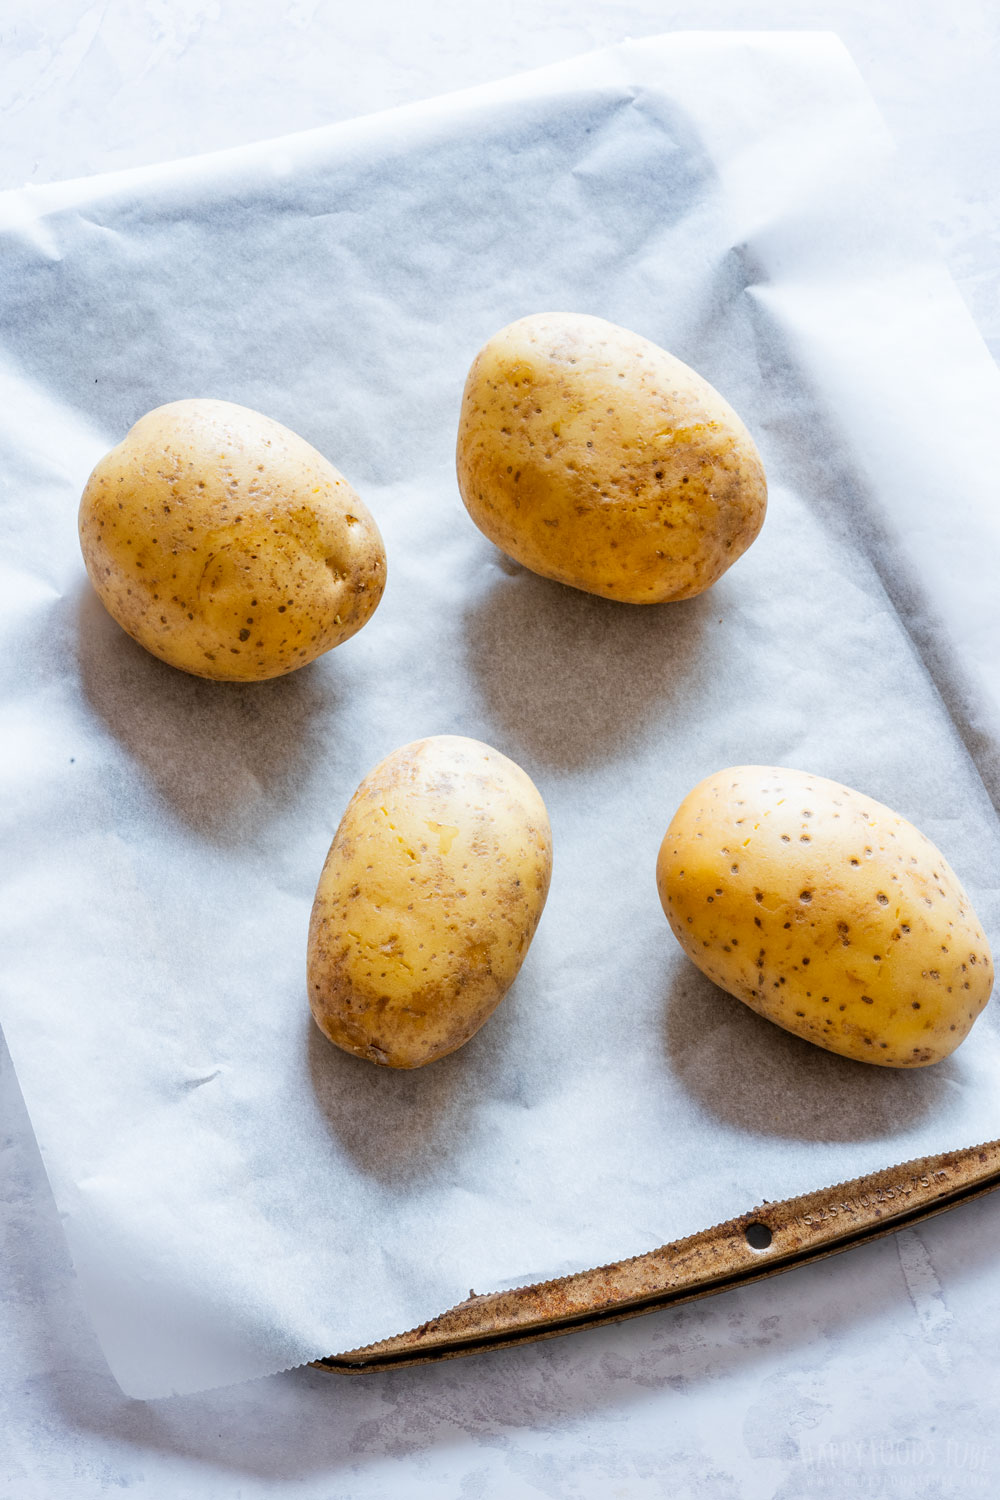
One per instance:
(569,676)
(761,1079)
(401,1125)
(218,752)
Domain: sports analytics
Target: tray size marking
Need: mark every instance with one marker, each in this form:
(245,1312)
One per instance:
(866,1201)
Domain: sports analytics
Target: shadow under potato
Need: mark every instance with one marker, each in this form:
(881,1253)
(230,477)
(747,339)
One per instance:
(402,1125)
(220,753)
(761,1079)
(570,676)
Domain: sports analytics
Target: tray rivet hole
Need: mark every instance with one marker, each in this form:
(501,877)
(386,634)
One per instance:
(758,1236)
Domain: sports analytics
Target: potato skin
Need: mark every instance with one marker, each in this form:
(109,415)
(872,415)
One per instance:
(594,457)
(826,912)
(428,901)
(227,545)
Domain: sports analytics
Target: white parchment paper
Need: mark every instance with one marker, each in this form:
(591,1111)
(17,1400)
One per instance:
(238,1195)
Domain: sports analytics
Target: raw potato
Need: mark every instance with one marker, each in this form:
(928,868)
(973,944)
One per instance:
(428,901)
(596,458)
(827,913)
(226,545)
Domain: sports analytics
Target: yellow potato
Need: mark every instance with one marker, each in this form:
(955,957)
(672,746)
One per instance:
(594,457)
(827,913)
(428,901)
(226,545)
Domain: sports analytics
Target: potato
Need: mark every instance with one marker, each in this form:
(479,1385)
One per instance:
(825,912)
(226,545)
(428,901)
(594,457)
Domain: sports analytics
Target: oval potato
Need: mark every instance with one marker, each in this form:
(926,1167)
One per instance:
(227,545)
(594,457)
(827,913)
(428,901)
